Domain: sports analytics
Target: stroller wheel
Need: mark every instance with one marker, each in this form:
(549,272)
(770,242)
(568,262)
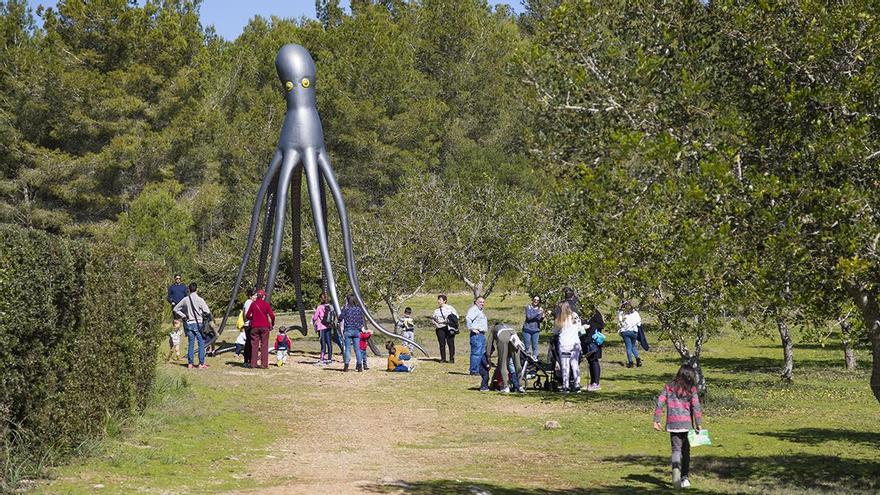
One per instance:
(536,384)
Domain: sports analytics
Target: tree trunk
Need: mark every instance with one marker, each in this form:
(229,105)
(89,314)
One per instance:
(785,336)
(694,362)
(867,304)
(849,354)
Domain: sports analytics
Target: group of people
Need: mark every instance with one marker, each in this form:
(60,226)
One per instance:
(573,338)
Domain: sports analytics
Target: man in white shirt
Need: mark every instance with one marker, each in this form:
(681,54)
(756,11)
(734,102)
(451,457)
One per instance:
(478,325)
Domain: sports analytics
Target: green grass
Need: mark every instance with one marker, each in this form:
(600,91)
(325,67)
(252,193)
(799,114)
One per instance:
(302,429)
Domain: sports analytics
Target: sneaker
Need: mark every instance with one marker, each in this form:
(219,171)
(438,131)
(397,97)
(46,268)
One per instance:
(203,366)
(521,390)
(345,368)
(366,367)
(685,483)
(359,368)
(505,390)
(676,477)
(593,387)
(564,390)
(279,364)
(247,365)
(629,365)
(452,360)
(412,368)
(484,389)
(190,366)
(638,362)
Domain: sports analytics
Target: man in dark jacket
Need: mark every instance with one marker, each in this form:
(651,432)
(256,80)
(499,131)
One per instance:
(176,292)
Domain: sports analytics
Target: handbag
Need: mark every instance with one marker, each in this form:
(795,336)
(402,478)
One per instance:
(697,439)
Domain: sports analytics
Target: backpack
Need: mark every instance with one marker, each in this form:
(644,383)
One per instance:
(329,318)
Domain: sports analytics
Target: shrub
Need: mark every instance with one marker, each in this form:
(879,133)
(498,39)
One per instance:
(78,342)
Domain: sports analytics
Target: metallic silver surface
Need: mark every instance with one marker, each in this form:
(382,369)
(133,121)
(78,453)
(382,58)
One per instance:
(300,148)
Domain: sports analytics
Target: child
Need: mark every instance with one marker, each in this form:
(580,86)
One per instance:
(174,341)
(484,373)
(242,337)
(282,345)
(364,335)
(395,359)
(406,327)
(682,407)
(323,319)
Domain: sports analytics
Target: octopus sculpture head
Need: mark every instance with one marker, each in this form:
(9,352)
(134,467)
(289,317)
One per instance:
(296,70)
(300,152)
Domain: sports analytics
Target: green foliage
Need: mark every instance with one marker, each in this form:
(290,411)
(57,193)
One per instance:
(77,343)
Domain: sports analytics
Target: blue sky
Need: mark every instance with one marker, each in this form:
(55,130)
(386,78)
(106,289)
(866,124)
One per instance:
(230,16)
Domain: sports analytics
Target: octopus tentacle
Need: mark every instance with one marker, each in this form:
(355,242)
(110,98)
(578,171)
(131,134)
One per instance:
(327,171)
(252,232)
(296,219)
(314,185)
(268,223)
(291,157)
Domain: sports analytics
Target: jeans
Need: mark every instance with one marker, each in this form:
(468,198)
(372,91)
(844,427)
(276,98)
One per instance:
(530,339)
(681,452)
(631,341)
(444,339)
(326,345)
(478,348)
(401,368)
(361,356)
(193,335)
(511,368)
(350,339)
(484,378)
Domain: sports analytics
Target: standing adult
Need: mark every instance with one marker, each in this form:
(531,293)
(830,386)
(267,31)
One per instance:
(593,349)
(352,321)
(478,325)
(193,309)
(262,320)
(532,326)
(445,336)
(630,320)
(569,297)
(248,347)
(567,325)
(176,292)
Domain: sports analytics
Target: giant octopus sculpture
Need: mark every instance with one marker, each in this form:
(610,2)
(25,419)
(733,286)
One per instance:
(300,150)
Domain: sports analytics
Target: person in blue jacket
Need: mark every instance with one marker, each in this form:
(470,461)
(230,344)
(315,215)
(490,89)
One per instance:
(176,292)
(532,326)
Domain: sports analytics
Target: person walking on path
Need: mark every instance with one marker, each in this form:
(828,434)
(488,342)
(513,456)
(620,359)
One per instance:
(682,409)
(352,321)
(568,326)
(176,292)
(320,320)
(630,320)
(445,336)
(478,325)
(262,320)
(193,309)
(532,326)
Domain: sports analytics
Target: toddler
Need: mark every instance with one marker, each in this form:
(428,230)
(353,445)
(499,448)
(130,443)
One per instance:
(282,345)
(682,408)
(364,335)
(174,341)
(406,327)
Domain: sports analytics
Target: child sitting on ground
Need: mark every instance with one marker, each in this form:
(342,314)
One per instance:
(364,335)
(174,341)
(682,408)
(282,345)
(396,359)
(406,327)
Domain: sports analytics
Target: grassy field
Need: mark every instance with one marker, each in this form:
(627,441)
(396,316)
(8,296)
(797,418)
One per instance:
(305,429)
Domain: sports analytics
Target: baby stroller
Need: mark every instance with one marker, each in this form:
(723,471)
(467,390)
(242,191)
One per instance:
(545,375)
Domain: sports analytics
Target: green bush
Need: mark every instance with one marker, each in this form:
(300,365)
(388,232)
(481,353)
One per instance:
(78,340)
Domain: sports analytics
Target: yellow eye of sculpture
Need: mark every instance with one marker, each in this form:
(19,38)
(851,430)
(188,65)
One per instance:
(305,82)
(288,86)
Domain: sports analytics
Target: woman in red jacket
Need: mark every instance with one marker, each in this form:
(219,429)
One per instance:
(262,320)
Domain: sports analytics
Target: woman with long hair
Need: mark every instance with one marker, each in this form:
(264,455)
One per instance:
(567,326)
(682,410)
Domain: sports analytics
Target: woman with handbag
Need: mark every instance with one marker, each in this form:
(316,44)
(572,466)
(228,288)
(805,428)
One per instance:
(445,333)
(262,320)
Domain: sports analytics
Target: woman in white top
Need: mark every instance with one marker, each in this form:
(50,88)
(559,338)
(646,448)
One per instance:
(445,337)
(568,325)
(630,321)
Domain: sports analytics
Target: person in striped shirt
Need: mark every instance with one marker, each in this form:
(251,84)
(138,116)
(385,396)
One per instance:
(682,409)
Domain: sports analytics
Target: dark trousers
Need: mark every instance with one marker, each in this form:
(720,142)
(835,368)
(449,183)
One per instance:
(446,338)
(681,452)
(260,347)
(595,370)
(484,378)
(247,344)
